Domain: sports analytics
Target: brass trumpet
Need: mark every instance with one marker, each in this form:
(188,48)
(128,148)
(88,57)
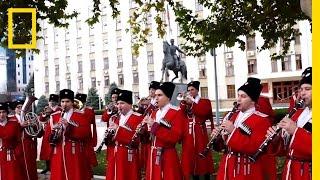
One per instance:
(184,96)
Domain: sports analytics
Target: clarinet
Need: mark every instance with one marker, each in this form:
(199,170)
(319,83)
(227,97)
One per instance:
(107,134)
(140,129)
(262,148)
(205,152)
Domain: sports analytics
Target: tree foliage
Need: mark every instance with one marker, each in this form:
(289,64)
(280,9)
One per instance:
(108,95)
(42,102)
(29,90)
(93,98)
(227,22)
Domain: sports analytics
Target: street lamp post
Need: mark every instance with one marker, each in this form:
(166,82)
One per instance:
(213,53)
(99,95)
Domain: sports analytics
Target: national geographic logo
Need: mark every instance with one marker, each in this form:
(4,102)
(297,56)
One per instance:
(33,28)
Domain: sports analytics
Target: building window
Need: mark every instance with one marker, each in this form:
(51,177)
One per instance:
(298,62)
(202,71)
(134,60)
(118,24)
(274,65)
(106,81)
(18,73)
(229,68)
(120,79)
(92,64)
(282,91)
(91,31)
(120,61)
(105,63)
(18,81)
(80,83)
(93,82)
(151,76)
(252,66)
(231,91)
(57,86)
(104,23)
(286,63)
(91,47)
(251,43)
(297,39)
(78,26)
(204,92)
(46,85)
(79,66)
(56,70)
(150,57)
(135,78)
(69,83)
(46,71)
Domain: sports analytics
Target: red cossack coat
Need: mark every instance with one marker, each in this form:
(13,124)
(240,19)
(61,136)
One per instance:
(163,161)
(195,139)
(68,160)
(235,163)
(10,135)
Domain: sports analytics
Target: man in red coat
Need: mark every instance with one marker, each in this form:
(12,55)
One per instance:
(195,139)
(107,116)
(10,168)
(27,149)
(126,152)
(53,106)
(297,135)
(69,130)
(167,124)
(245,131)
(92,141)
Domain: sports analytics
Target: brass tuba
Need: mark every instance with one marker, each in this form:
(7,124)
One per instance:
(78,104)
(33,127)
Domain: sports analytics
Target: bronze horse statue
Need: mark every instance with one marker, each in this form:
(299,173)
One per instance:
(168,63)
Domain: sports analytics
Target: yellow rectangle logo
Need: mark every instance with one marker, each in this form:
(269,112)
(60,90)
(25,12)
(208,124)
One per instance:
(33,44)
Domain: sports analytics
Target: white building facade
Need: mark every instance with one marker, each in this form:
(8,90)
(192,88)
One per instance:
(82,57)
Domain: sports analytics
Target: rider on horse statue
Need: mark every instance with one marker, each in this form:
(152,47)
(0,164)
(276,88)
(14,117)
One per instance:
(173,49)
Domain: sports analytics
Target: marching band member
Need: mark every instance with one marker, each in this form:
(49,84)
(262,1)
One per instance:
(198,110)
(27,149)
(126,155)
(10,168)
(53,106)
(269,167)
(69,130)
(245,132)
(106,116)
(152,89)
(166,130)
(92,141)
(108,112)
(296,134)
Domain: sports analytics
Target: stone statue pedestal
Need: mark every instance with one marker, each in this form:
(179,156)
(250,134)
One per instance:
(180,88)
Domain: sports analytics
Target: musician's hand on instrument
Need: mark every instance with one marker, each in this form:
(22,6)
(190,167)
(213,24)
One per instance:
(215,132)
(228,126)
(288,125)
(271,131)
(113,125)
(25,123)
(64,122)
(148,120)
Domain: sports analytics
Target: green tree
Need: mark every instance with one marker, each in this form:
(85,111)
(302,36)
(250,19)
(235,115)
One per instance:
(29,90)
(108,95)
(227,22)
(42,102)
(93,98)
